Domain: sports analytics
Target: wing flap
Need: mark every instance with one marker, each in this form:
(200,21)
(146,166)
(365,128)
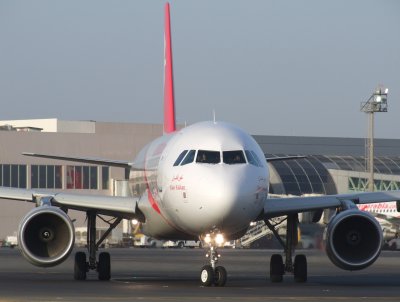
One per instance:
(284,158)
(107,205)
(88,160)
(17,194)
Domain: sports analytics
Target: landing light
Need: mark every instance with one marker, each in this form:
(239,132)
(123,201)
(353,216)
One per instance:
(207,239)
(219,239)
(134,222)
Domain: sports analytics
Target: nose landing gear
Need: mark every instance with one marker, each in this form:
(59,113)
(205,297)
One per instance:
(212,274)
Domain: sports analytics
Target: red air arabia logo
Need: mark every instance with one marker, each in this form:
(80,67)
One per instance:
(175,186)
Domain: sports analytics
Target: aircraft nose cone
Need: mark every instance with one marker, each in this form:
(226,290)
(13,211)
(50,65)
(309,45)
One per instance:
(227,199)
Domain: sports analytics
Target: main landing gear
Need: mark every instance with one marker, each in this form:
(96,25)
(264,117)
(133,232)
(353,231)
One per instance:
(103,265)
(299,267)
(212,274)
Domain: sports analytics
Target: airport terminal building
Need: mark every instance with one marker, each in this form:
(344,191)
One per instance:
(332,165)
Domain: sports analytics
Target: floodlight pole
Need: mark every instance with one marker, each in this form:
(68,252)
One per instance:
(377,102)
(371,152)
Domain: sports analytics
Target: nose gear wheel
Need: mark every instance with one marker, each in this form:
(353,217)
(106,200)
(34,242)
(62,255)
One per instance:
(211,274)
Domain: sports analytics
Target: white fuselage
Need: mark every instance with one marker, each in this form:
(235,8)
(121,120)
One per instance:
(208,177)
(388,209)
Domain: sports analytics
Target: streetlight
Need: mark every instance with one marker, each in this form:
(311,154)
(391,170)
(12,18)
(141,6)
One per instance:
(377,102)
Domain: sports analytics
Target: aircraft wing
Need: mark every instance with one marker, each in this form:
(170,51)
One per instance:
(284,158)
(108,205)
(275,207)
(89,160)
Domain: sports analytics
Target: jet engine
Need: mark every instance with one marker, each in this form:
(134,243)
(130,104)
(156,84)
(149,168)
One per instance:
(46,236)
(353,239)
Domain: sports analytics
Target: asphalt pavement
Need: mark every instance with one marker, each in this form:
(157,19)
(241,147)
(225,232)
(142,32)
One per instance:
(173,275)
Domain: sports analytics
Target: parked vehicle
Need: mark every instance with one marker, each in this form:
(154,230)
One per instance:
(230,244)
(394,244)
(307,242)
(10,241)
(182,244)
(141,240)
(114,239)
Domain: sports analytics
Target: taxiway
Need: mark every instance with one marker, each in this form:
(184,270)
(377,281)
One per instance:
(173,275)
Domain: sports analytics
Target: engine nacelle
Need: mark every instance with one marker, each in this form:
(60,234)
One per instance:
(46,236)
(353,239)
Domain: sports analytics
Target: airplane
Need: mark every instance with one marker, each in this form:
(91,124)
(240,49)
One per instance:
(386,210)
(387,215)
(207,181)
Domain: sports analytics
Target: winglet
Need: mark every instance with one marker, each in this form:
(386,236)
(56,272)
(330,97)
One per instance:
(169,103)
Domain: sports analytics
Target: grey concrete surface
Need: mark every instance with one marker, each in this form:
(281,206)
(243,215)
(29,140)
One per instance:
(173,275)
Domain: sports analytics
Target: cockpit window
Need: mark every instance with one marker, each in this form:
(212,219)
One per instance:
(259,162)
(251,159)
(189,157)
(234,157)
(208,157)
(180,157)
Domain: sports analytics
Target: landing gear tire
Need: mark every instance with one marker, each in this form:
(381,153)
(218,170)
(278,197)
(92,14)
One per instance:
(207,275)
(220,276)
(276,268)
(80,267)
(104,266)
(300,268)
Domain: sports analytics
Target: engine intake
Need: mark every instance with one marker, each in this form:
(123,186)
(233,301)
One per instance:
(353,239)
(46,236)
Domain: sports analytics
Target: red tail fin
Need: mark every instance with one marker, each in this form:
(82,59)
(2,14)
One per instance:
(169,103)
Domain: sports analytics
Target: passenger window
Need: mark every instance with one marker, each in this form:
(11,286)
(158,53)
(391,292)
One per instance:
(189,157)
(180,157)
(251,159)
(208,157)
(234,157)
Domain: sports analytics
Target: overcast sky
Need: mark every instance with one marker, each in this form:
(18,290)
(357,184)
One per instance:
(272,67)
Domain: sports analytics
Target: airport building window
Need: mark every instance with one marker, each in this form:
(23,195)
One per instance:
(306,175)
(42,177)
(82,177)
(356,184)
(105,178)
(22,175)
(93,178)
(46,177)
(85,180)
(208,157)
(13,176)
(6,175)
